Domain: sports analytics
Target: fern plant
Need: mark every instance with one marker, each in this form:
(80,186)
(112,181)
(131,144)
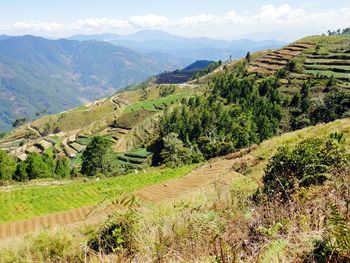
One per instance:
(335,247)
(338,232)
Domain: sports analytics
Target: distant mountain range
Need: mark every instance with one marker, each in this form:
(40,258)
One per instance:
(41,75)
(37,74)
(186,48)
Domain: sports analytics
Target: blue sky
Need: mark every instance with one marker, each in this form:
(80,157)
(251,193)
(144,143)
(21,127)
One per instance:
(227,19)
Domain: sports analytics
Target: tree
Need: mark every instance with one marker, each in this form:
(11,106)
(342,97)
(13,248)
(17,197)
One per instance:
(293,66)
(36,167)
(21,174)
(7,166)
(248,57)
(97,156)
(63,169)
(295,102)
(49,159)
(305,97)
(19,122)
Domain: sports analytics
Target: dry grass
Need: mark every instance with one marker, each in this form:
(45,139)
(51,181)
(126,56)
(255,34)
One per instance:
(221,223)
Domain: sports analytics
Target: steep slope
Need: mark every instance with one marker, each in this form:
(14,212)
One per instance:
(53,75)
(240,170)
(130,117)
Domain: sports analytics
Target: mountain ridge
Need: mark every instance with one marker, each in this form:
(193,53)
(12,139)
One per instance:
(70,71)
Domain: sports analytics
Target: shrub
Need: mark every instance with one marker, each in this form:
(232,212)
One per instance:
(116,235)
(46,247)
(335,245)
(305,164)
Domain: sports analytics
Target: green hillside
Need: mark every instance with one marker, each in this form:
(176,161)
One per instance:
(269,93)
(224,211)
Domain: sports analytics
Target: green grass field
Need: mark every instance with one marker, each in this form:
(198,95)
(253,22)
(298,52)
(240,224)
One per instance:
(160,102)
(25,202)
(328,73)
(327,67)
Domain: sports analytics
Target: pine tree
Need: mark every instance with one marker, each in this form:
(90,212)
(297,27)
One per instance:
(7,166)
(96,157)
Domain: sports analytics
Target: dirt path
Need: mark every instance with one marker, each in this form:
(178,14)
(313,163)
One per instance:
(162,191)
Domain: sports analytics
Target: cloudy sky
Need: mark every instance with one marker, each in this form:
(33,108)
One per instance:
(224,19)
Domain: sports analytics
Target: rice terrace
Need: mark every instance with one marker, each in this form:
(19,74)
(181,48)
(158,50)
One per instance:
(175,132)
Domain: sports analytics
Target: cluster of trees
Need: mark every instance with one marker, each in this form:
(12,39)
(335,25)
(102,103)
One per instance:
(208,69)
(304,112)
(166,90)
(237,113)
(18,122)
(345,31)
(335,105)
(34,167)
(98,158)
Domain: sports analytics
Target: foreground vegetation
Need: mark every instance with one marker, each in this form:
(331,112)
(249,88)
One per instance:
(27,201)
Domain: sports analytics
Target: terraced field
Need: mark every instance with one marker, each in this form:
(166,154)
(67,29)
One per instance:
(157,104)
(335,65)
(273,61)
(157,192)
(29,201)
(254,158)
(125,118)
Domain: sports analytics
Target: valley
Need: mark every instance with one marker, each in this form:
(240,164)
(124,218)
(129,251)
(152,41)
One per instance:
(242,161)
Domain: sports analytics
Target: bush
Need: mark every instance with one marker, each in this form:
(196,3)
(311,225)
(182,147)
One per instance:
(116,235)
(175,154)
(305,164)
(46,247)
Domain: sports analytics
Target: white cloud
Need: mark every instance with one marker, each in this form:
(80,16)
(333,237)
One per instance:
(203,20)
(98,23)
(37,26)
(268,18)
(149,21)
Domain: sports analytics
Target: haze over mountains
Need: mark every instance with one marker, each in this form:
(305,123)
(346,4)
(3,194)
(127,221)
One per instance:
(156,41)
(37,74)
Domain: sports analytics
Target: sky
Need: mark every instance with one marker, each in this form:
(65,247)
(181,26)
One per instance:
(222,19)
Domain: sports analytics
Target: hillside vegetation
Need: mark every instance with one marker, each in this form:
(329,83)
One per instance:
(228,220)
(275,135)
(235,105)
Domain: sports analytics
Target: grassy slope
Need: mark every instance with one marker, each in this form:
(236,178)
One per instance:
(182,228)
(226,207)
(24,202)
